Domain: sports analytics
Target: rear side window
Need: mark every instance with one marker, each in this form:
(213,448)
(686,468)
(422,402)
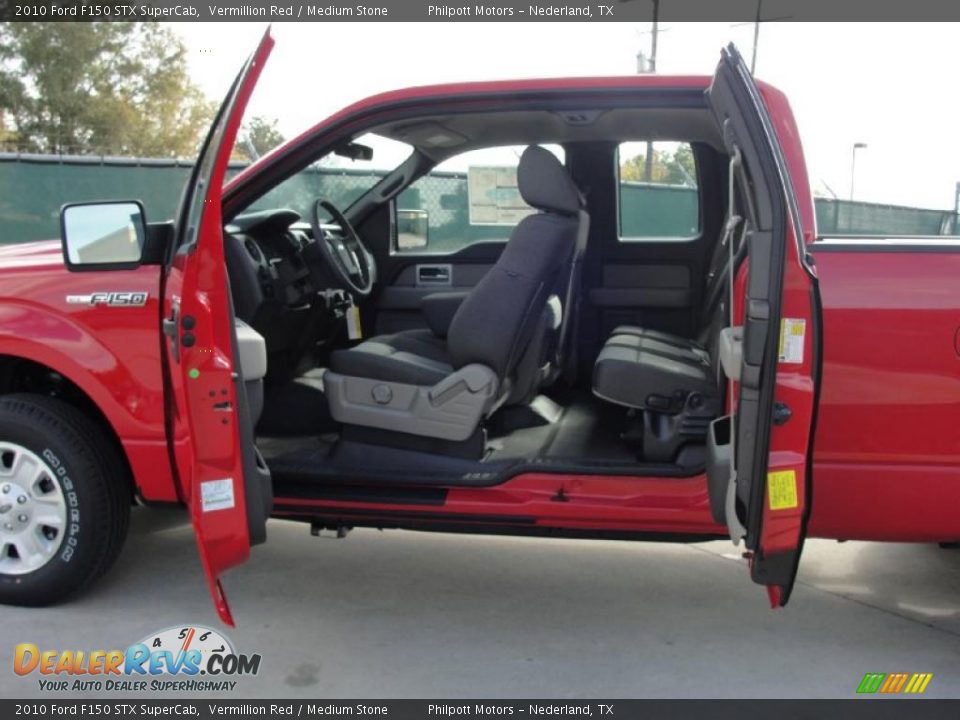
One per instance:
(659,198)
(469,198)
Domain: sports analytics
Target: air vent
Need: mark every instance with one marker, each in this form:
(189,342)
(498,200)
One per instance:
(252,250)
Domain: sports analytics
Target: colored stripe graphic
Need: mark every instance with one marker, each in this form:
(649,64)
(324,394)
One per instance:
(894,683)
(871,682)
(919,683)
(889,683)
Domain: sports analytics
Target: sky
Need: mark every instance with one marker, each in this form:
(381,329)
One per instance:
(889,85)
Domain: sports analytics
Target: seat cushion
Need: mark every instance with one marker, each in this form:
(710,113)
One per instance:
(414,357)
(658,335)
(688,352)
(642,379)
(418,342)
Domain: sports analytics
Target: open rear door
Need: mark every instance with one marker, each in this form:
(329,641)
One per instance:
(759,465)
(210,429)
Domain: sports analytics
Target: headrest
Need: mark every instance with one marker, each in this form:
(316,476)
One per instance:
(544,183)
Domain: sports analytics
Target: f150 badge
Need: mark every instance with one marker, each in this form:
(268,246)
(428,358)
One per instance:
(111,299)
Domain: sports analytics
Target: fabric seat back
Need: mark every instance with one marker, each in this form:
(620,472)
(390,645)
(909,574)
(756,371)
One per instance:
(498,319)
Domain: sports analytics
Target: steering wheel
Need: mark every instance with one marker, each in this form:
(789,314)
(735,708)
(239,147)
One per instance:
(345,254)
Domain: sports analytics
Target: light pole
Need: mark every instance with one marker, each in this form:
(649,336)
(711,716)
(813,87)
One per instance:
(853,164)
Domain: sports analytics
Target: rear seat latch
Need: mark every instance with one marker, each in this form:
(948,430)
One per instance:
(781,413)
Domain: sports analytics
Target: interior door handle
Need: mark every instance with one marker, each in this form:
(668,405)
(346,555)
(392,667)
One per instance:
(433,275)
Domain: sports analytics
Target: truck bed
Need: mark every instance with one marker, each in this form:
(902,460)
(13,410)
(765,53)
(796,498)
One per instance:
(887,443)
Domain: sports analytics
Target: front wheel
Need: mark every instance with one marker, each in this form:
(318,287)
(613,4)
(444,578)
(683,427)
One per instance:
(64,500)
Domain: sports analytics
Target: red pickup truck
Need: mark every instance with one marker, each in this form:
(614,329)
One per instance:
(747,380)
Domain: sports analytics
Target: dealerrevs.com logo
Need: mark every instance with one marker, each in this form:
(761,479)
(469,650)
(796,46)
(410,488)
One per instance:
(180,658)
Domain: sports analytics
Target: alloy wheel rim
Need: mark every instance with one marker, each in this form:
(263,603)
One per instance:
(33,511)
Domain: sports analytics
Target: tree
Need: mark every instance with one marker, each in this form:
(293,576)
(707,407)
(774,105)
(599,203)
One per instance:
(103,88)
(258,136)
(669,168)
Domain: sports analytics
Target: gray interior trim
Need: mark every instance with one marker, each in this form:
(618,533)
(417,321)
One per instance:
(252,351)
(450,410)
(393,297)
(466,131)
(646,275)
(640,297)
(462,274)
(434,275)
(731,351)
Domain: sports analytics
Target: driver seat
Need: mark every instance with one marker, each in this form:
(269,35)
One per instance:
(422,383)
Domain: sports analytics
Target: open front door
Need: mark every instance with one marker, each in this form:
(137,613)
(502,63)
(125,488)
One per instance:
(759,465)
(210,429)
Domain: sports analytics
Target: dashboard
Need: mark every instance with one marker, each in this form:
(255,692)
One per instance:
(270,244)
(273,288)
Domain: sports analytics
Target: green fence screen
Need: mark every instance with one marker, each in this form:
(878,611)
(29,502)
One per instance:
(32,189)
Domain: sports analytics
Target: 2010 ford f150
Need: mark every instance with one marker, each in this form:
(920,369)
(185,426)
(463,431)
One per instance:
(747,380)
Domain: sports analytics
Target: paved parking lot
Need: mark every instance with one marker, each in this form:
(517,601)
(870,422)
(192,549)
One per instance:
(401,614)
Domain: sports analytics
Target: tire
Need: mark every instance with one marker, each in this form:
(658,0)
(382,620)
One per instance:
(93,502)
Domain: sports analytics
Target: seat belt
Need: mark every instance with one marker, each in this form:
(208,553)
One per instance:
(726,241)
(571,301)
(736,529)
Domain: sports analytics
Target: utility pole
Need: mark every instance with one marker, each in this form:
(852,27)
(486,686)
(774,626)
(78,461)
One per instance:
(652,68)
(756,31)
(756,38)
(653,36)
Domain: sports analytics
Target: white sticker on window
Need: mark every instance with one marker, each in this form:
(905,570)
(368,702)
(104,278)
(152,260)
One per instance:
(216,495)
(792,334)
(494,197)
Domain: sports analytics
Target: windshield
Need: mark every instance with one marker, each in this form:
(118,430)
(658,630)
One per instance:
(341,180)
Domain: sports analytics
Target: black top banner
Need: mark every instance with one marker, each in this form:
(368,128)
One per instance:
(490,11)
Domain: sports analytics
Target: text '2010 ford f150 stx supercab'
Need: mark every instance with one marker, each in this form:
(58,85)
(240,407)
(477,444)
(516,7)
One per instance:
(272,353)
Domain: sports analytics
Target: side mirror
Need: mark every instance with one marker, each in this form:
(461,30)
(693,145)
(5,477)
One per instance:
(103,235)
(413,229)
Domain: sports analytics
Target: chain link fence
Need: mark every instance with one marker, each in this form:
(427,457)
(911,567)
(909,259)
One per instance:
(33,188)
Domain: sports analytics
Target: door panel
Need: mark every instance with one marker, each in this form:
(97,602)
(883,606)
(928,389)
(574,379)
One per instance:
(661,295)
(651,282)
(406,277)
(398,307)
(641,289)
(775,303)
(209,427)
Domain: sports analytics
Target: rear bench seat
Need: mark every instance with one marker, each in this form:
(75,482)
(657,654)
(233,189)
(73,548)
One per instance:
(652,374)
(657,371)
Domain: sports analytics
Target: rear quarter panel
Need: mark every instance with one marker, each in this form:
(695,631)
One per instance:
(887,446)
